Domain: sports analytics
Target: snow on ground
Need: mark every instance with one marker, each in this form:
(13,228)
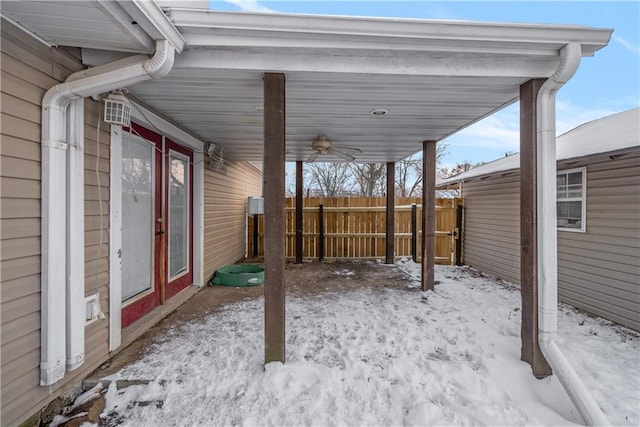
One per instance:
(379,358)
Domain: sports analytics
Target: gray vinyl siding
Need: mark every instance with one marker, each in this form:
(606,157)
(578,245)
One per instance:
(29,69)
(492,226)
(225,214)
(598,270)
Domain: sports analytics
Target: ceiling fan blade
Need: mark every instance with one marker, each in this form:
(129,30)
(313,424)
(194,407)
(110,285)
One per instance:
(343,155)
(312,157)
(349,150)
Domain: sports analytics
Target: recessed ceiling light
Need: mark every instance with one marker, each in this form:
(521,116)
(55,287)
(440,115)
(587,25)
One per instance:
(379,112)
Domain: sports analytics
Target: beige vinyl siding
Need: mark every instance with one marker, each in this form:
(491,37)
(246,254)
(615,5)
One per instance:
(96,232)
(599,270)
(492,226)
(225,213)
(29,69)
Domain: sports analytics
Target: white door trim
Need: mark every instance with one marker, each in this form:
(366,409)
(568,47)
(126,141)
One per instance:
(115,240)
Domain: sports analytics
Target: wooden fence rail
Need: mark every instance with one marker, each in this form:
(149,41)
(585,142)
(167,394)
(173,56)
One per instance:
(354,227)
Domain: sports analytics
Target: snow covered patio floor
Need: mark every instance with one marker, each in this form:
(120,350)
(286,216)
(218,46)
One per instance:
(365,347)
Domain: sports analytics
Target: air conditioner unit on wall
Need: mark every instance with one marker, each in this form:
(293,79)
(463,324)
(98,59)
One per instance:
(214,158)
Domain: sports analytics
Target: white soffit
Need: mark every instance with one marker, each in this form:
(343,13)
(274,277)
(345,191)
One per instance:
(93,24)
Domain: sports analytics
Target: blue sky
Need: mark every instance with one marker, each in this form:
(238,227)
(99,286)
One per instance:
(605,84)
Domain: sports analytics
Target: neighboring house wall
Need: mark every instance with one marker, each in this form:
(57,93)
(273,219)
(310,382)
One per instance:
(492,226)
(599,270)
(29,68)
(225,213)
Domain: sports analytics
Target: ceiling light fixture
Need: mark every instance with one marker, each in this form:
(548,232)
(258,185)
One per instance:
(379,112)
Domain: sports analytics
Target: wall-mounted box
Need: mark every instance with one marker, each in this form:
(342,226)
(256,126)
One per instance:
(255,205)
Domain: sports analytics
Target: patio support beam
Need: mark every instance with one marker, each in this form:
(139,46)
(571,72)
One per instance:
(274,217)
(530,350)
(299,211)
(428,214)
(391,210)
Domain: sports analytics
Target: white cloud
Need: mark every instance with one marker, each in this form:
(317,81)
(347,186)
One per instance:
(627,44)
(499,131)
(249,5)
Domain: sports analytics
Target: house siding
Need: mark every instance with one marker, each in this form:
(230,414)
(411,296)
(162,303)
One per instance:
(598,270)
(492,226)
(225,217)
(29,69)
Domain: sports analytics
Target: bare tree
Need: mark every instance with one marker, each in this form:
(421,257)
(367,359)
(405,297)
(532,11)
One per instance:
(409,172)
(460,167)
(332,179)
(369,178)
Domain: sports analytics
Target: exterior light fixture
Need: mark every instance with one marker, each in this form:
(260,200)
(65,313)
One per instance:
(117,109)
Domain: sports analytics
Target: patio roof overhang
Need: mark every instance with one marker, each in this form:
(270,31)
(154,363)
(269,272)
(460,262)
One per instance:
(433,78)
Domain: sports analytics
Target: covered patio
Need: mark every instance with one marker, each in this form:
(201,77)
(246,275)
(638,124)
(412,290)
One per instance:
(265,86)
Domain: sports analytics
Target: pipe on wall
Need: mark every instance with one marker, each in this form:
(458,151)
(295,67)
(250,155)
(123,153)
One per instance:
(60,294)
(548,243)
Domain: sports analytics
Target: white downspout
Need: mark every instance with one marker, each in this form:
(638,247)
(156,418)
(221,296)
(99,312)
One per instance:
(75,318)
(548,243)
(55,233)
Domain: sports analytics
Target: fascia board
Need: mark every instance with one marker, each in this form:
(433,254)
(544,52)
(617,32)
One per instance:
(418,64)
(402,31)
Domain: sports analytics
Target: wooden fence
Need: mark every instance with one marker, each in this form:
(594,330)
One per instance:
(354,227)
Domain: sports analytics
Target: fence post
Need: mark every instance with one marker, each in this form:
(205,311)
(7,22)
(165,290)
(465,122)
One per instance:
(414,232)
(321,232)
(255,235)
(459,211)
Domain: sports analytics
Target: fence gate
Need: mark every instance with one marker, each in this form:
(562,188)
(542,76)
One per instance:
(354,228)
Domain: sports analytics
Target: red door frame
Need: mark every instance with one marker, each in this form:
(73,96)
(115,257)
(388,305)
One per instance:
(162,289)
(175,286)
(143,305)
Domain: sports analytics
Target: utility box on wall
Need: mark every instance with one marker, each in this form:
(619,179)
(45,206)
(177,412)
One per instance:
(255,205)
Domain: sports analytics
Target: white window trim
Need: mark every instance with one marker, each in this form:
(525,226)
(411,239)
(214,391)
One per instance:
(583,199)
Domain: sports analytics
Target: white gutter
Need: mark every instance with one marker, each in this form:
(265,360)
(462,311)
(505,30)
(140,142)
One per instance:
(55,233)
(547,240)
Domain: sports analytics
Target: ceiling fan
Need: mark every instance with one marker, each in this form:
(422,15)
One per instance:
(322,146)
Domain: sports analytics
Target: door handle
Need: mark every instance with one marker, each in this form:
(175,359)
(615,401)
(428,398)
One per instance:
(159,232)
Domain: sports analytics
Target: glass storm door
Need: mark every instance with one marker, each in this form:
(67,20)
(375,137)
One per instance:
(157,228)
(179,197)
(141,179)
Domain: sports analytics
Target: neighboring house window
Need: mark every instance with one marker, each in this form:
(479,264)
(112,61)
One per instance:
(572,199)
